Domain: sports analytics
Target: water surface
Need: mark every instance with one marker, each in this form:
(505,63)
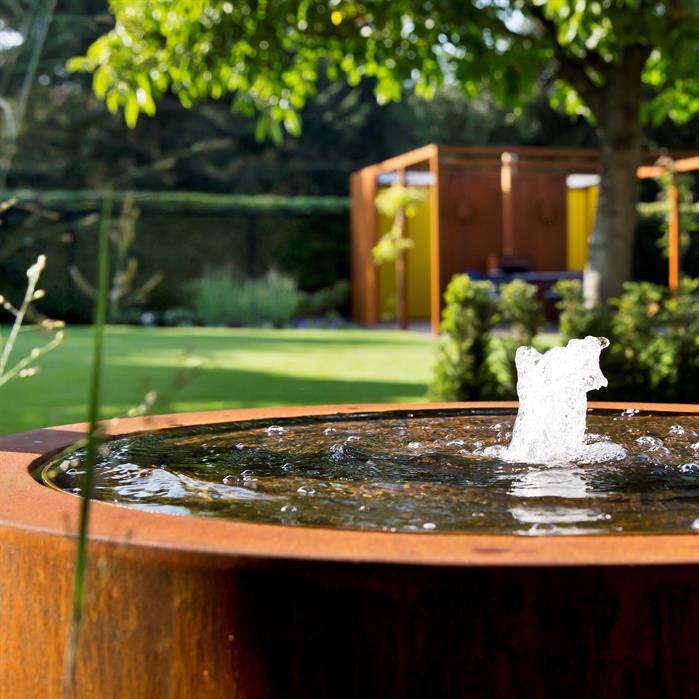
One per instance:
(420,471)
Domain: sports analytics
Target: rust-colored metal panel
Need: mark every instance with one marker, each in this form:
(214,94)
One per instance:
(467,212)
(397,633)
(182,606)
(671,167)
(409,159)
(540,218)
(470,218)
(363,228)
(435,245)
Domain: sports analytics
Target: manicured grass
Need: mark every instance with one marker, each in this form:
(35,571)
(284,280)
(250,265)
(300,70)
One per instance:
(239,368)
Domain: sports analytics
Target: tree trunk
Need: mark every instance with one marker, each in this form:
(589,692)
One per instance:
(619,131)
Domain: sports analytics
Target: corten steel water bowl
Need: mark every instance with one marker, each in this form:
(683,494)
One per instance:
(195,607)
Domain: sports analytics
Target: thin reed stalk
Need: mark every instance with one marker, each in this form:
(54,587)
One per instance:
(94,437)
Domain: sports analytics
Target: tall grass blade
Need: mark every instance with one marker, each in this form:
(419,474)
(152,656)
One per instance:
(93,442)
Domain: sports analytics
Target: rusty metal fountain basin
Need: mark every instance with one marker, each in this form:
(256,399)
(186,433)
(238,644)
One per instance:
(183,606)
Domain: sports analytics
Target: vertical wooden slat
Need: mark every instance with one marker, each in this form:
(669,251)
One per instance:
(673,236)
(671,167)
(507,173)
(540,204)
(402,266)
(435,261)
(363,228)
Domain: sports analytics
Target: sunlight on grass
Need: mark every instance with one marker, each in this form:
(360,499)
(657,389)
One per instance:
(239,368)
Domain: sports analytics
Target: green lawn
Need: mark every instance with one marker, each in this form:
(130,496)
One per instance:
(239,368)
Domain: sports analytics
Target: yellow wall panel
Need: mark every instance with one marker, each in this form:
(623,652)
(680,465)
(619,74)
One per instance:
(582,204)
(387,277)
(417,229)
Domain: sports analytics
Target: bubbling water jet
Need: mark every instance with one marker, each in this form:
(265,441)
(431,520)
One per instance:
(552,390)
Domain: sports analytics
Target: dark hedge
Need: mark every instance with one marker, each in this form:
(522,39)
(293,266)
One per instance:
(180,234)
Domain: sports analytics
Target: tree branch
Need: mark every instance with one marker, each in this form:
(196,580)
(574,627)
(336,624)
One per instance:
(168,162)
(571,68)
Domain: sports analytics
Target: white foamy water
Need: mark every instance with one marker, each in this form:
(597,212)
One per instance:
(552,390)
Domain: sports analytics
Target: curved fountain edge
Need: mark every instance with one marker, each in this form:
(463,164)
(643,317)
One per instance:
(28,507)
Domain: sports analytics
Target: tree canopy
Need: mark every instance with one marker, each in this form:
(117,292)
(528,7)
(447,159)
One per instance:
(616,62)
(269,53)
(208,148)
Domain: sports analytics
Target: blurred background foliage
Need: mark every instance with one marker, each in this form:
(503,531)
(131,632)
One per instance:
(654,338)
(69,140)
(69,143)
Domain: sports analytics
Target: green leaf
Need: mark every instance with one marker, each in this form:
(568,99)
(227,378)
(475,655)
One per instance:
(275,131)
(77,64)
(113,101)
(145,96)
(261,128)
(131,110)
(292,124)
(100,82)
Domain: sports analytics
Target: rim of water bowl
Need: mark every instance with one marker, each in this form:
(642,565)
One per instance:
(29,508)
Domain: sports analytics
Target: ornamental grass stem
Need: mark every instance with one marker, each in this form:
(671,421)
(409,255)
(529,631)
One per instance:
(33,274)
(93,442)
(25,366)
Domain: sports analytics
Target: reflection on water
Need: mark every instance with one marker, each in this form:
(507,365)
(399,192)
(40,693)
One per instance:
(418,472)
(565,482)
(554,481)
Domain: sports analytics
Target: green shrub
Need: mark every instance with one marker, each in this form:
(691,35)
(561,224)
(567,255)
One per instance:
(329,302)
(178,317)
(654,352)
(576,319)
(217,297)
(655,343)
(522,310)
(273,299)
(641,358)
(463,369)
(683,332)
(222,297)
